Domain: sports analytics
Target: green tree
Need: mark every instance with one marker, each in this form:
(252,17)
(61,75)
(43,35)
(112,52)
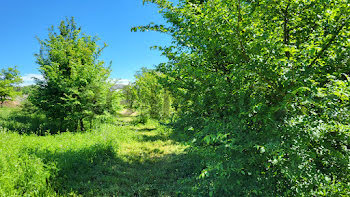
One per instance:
(27,89)
(254,81)
(129,95)
(148,96)
(9,79)
(75,85)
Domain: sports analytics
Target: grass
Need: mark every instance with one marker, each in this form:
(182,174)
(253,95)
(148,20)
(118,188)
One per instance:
(115,159)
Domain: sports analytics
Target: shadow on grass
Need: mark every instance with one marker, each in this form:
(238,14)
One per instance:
(99,171)
(179,133)
(146,129)
(25,123)
(89,171)
(153,138)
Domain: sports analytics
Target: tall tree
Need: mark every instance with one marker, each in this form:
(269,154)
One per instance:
(9,79)
(263,85)
(75,83)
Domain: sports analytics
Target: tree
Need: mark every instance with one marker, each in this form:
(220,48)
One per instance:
(26,90)
(129,95)
(75,84)
(264,86)
(9,79)
(148,96)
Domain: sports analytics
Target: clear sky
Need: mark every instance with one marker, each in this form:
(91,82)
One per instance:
(110,20)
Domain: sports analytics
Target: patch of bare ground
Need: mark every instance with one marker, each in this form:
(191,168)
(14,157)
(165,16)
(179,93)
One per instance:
(128,112)
(11,104)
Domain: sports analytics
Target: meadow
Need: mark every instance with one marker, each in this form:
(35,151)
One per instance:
(117,158)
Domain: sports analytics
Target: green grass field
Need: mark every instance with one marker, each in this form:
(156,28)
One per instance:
(115,159)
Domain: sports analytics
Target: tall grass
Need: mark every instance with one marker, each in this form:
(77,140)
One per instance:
(115,159)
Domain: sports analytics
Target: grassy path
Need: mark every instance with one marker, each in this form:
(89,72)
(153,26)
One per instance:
(153,162)
(117,159)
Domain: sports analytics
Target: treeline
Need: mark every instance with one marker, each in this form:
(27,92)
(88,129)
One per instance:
(262,90)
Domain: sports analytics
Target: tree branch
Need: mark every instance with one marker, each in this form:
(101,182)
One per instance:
(325,47)
(239,31)
(285,27)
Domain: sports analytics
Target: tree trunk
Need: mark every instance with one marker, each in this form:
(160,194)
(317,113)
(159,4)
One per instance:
(91,123)
(82,128)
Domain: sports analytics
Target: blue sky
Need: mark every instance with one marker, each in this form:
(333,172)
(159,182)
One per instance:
(111,20)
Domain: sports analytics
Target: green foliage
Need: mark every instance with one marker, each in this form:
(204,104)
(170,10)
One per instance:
(28,120)
(149,96)
(9,79)
(26,90)
(22,174)
(129,95)
(75,85)
(262,90)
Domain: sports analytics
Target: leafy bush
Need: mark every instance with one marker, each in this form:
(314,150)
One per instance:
(141,119)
